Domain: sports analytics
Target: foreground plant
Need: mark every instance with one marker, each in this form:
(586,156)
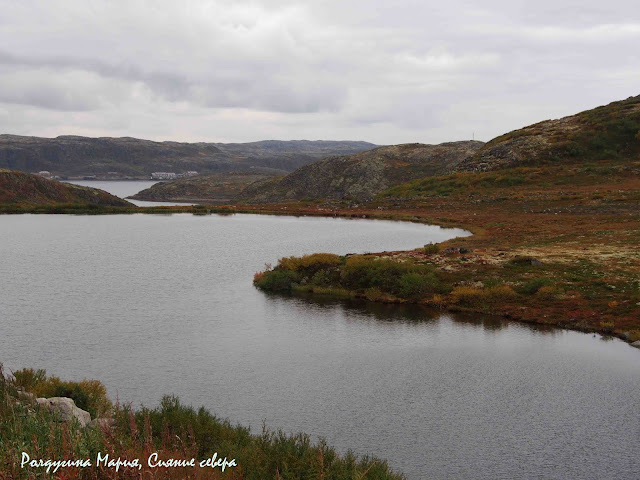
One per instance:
(172,441)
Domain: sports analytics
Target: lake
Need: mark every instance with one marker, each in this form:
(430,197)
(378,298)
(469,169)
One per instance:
(154,304)
(125,188)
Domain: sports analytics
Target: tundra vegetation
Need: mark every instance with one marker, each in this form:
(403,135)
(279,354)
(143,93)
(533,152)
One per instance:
(555,213)
(554,209)
(172,430)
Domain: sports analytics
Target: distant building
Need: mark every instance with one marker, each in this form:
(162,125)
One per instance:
(163,176)
(192,173)
(45,173)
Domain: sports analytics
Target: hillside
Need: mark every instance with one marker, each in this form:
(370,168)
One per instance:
(24,189)
(609,132)
(211,189)
(362,175)
(82,156)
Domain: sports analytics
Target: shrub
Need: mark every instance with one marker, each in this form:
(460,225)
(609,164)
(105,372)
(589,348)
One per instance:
(89,395)
(532,286)
(415,284)
(361,273)
(325,278)
(546,293)
(500,293)
(276,280)
(476,297)
(431,248)
(28,378)
(438,301)
(374,294)
(607,326)
(266,455)
(467,295)
(309,264)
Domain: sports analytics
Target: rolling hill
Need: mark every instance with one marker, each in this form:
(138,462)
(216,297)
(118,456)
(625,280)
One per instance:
(24,189)
(608,132)
(82,156)
(218,188)
(363,175)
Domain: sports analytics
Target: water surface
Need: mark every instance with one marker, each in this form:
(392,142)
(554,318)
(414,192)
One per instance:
(124,189)
(164,304)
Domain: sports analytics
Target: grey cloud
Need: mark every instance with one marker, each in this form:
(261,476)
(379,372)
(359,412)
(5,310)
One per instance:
(369,69)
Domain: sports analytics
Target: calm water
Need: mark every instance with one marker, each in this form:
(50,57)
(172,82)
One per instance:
(124,188)
(164,304)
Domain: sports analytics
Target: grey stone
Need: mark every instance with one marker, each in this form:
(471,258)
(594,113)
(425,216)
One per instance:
(636,344)
(66,409)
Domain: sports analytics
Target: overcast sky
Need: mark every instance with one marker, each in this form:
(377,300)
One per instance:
(382,71)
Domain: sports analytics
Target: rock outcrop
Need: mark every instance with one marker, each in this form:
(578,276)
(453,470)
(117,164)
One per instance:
(65,410)
(362,176)
(610,131)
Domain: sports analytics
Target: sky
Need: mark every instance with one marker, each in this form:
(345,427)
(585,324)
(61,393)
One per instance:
(386,72)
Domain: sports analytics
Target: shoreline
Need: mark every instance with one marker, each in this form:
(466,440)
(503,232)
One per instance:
(485,245)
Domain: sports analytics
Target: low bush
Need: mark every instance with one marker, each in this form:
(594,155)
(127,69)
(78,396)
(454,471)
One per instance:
(465,295)
(533,286)
(174,431)
(547,293)
(416,284)
(431,248)
(276,280)
(309,264)
(89,395)
(479,297)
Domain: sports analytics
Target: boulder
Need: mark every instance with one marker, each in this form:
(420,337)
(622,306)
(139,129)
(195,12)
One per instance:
(66,409)
(636,344)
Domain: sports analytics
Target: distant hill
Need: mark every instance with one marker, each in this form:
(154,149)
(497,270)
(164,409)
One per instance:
(82,156)
(19,188)
(605,133)
(362,175)
(218,188)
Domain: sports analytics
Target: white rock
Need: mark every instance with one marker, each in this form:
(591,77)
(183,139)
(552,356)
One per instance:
(66,409)
(636,344)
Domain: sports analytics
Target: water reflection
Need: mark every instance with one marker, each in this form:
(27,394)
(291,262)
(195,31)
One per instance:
(385,312)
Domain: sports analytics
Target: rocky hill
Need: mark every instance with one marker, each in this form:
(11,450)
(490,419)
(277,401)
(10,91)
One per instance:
(221,188)
(19,188)
(362,175)
(81,156)
(604,133)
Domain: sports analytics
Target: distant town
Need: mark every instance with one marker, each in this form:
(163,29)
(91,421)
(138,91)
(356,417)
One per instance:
(118,176)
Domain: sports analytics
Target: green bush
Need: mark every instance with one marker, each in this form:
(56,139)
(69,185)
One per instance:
(266,455)
(309,264)
(89,395)
(28,378)
(431,248)
(276,280)
(532,286)
(415,284)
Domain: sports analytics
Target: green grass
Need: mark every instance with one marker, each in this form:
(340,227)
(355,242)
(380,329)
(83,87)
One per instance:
(172,429)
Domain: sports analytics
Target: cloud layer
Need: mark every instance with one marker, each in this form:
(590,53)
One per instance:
(386,72)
